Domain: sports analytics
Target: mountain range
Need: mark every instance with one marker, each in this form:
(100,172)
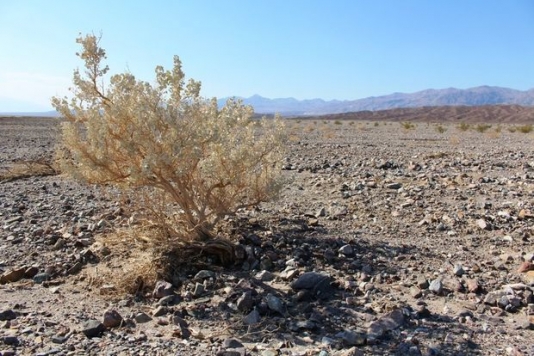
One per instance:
(478,96)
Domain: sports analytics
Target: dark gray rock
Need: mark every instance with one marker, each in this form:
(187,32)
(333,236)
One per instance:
(41,277)
(162,289)
(204,274)
(245,302)
(7,314)
(252,318)
(10,340)
(436,286)
(388,322)
(93,328)
(142,318)
(310,280)
(352,337)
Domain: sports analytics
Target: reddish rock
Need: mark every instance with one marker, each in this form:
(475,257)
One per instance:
(13,275)
(525,267)
(472,285)
(112,319)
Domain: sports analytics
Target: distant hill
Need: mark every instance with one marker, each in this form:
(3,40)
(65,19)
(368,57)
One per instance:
(483,95)
(512,114)
(478,96)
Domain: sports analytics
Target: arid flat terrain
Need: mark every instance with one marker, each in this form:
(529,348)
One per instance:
(393,237)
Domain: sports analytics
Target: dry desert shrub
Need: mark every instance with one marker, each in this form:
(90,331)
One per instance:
(406,125)
(463,126)
(28,168)
(196,161)
(440,129)
(482,127)
(527,128)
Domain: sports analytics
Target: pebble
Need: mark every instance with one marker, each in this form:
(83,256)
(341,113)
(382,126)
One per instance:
(252,318)
(436,286)
(346,250)
(93,328)
(310,280)
(112,319)
(142,317)
(245,302)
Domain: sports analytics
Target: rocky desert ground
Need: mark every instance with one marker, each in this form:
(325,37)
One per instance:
(392,238)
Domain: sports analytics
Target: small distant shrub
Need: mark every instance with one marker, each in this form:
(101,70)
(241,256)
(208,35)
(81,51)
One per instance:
(376,124)
(525,128)
(512,129)
(498,129)
(463,126)
(351,123)
(440,129)
(482,127)
(407,125)
(337,122)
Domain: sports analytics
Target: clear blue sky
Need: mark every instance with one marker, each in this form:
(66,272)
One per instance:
(330,49)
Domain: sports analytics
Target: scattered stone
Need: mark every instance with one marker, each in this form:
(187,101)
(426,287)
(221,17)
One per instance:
(232,347)
(275,304)
(160,311)
(245,302)
(473,285)
(458,270)
(162,289)
(483,224)
(388,322)
(76,268)
(252,318)
(310,280)
(352,338)
(7,314)
(436,286)
(12,275)
(142,318)
(346,250)
(93,328)
(199,290)
(31,272)
(422,282)
(10,340)
(302,325)
(525,267)
(204,274)
(493,297)
(169,300)
(265,276)
(112,319)
(416,292)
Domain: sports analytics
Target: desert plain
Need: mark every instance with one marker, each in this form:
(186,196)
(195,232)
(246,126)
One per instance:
(391,238)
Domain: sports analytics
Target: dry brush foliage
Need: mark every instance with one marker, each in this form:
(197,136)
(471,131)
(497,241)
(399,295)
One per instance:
(181,150)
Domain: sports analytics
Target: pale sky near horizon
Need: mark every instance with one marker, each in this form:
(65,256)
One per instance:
(336,49)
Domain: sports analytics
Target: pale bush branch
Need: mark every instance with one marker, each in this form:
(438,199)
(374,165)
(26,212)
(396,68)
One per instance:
(209,161)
